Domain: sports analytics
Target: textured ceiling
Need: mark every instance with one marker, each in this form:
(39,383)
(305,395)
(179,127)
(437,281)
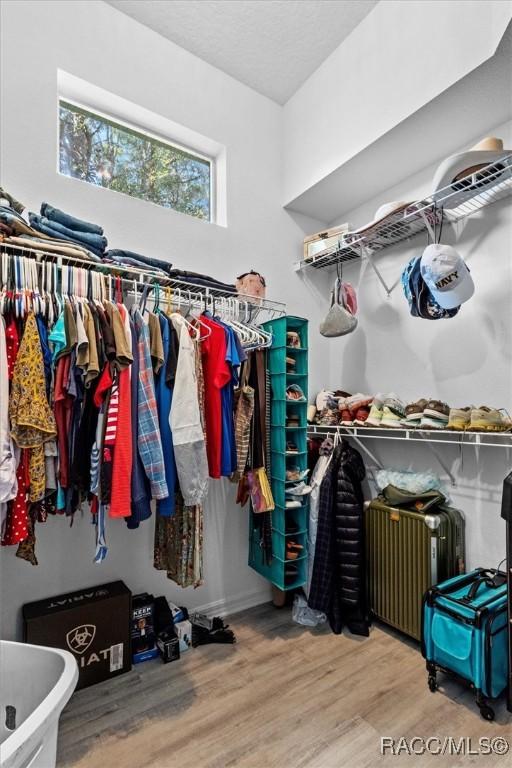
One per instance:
(272,46)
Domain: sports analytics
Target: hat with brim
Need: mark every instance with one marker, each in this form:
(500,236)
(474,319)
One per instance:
(395,210)
(446,275)
(454,169)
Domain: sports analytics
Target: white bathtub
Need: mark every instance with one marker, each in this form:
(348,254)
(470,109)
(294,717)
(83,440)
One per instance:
(35,685)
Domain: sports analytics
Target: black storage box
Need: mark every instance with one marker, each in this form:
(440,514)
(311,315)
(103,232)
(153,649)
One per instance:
(94,624)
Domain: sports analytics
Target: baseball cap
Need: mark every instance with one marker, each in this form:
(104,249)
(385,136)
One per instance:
(446,275)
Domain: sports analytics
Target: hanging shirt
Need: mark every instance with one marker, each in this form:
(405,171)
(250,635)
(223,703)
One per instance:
(7,457)
(185,420)
(166,507)
(228,443)
(216,375)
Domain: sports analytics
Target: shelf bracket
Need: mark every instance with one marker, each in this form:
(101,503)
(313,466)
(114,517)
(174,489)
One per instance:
(389,289)
(440,461)
(363,447)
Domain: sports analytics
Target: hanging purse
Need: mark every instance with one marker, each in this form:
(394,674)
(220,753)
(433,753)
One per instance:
(260,491)
(338,321)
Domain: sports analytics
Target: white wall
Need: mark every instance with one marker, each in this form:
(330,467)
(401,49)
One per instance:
(464,360)
(93,41)
(397,60)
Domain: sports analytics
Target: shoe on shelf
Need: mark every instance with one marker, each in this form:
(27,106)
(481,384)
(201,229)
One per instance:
(293,550)
(436,409)
(393,412)
(291,447)
(301,489)
(293,339)
(292,504)
(361,416)
(295,393)
(486,419)
(414,413)
(435,415)
(294,474)
(346,419)
(329,417)
(291,527)
(357,401)
(460,418)
(375,416)
(292,421)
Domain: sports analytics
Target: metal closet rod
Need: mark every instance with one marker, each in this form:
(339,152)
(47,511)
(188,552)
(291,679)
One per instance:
(146,277)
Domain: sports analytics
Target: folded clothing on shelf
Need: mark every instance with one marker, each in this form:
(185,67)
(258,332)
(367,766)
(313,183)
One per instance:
(94,242)
(139,260)
(203,280)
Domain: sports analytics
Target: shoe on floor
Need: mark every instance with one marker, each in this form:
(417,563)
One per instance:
(486,419)
(460,418)
(414,413)
(375,416)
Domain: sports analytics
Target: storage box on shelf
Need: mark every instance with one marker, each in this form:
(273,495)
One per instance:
(288,524)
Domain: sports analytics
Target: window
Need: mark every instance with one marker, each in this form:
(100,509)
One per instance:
(98,150)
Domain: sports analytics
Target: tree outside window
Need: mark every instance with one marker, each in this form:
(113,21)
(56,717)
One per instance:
(98,150)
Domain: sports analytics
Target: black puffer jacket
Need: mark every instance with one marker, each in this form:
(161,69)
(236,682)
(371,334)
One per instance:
(349,604)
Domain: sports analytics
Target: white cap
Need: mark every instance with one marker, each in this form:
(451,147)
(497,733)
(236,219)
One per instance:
(446,275)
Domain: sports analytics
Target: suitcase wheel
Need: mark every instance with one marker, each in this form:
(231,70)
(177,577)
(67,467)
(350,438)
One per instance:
(487,712)
(432,683)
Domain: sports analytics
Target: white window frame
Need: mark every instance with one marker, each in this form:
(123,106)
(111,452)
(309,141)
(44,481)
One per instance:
(84,95)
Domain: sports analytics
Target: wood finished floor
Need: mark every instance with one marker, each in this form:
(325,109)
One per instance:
(283,697)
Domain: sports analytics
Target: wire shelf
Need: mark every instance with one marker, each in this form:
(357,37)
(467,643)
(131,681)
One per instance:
(260,308)
(458,200)
(444,436)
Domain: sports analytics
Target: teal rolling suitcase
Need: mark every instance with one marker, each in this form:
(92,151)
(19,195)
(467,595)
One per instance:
(464,632)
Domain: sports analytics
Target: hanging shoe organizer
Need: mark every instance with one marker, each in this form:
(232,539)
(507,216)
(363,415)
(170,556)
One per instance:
(288,442)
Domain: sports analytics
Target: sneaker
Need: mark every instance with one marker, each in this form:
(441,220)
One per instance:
(328,417)
(393,412)
(301,489)
(292,504)
(486,419)
(414,413)
(460,418)
(436,409)
(346,418)
(355,402)
(361,416)
(375,416)
(428,422)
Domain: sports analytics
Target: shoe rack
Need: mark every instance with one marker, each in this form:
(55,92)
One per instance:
(288,443)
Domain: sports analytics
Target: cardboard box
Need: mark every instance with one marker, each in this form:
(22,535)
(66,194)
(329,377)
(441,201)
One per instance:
(315,244)
(93,623)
